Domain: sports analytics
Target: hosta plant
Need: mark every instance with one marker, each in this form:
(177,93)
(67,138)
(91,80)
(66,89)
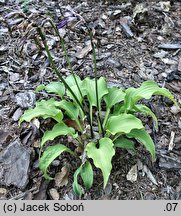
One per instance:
(99,118)
(117,108)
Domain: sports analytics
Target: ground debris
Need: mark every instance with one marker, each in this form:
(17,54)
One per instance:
(14,164)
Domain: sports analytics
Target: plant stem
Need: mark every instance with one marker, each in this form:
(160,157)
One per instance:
(117,136)
(71,70)
(66,55)
(43,37)
(79,125)
(96,82)
(106,117)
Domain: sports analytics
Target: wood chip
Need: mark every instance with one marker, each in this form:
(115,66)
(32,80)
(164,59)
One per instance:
(171,144)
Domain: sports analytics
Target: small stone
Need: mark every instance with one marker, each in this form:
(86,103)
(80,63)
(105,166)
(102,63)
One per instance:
(17,114)
(116,12)
(179,124)
(3,86)
(132,174)
(161,54)
(54,194)
(84,52)
(26,99)
(179,65)
(164,74)
(175,110)
(56,163)
(3,191)
(169,61)
(36,122)
(14,77)
(104,17)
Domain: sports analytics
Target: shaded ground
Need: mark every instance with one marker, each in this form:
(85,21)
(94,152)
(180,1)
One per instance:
(126,57)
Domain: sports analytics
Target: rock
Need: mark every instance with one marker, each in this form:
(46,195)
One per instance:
(169,61)
(3,86)
(113,63)
(170,46)
(3,191)
(179,65)
(2,1)
(161,54)
(17,114)
(54,194)
(84,52)
(26,99)
(14,165)
(149,196)
(175,110)
(14,77)
(132,174)
(126,28)
(169,163)
(56,163)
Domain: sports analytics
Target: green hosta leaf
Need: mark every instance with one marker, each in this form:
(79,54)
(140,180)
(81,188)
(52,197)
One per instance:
(143,137)
(45,109)
(71,110)
(40,88)
(114,96)
(56,87)
(76,186)
(102,156)
(89,86)
(146,90)
(49,155)
(53,87)
(77,93)
(71,82)
(87,175)
(122,142)
(123,123)
(58,130)
(146,111)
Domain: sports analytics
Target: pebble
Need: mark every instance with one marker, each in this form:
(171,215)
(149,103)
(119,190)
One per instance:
(3,191)
(161,54)
(54,194)
(175,110)
(17,114)
(14,77)
(179,65)
(26,99)
(3,86)
(56,163)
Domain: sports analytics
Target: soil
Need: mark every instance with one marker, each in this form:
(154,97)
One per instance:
(136,41)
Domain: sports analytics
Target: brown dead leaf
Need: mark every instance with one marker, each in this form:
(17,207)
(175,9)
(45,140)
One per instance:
(61,178)
(72,123)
